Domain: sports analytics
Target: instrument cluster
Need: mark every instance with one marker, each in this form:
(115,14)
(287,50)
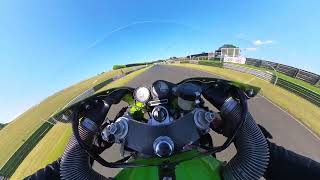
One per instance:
(159,91)
(167,101)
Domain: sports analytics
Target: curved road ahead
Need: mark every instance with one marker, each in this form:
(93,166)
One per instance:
(285,129)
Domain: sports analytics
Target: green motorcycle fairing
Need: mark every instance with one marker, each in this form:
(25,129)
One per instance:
(204,168)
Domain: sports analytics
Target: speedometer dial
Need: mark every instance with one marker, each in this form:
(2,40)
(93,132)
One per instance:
(142,94)
(160,89)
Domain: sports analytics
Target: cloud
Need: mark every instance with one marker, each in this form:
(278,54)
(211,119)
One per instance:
(260,42)
(250,49)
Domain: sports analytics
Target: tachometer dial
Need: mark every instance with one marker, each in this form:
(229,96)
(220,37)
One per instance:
(142,94)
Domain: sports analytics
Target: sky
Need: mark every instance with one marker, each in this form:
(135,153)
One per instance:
(47,45)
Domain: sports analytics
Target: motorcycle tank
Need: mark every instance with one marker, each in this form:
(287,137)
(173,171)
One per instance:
(204,168)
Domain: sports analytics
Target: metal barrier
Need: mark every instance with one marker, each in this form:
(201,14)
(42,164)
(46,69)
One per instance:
(307,94)
(303,75)
(263,75)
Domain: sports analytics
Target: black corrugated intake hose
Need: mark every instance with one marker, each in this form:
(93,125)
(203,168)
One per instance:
(75,164)
(252,157)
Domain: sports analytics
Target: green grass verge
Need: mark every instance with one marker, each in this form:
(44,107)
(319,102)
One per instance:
(46,151)
(8,169)
(288,78)
(211,63)
(18,131)
(307,112)
(184,62)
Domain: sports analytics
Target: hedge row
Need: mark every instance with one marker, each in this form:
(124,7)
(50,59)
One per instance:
(130,65)
(115,67)
(2,126)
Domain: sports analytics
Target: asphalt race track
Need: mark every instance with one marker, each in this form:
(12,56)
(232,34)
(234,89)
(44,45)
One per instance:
(286,131)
